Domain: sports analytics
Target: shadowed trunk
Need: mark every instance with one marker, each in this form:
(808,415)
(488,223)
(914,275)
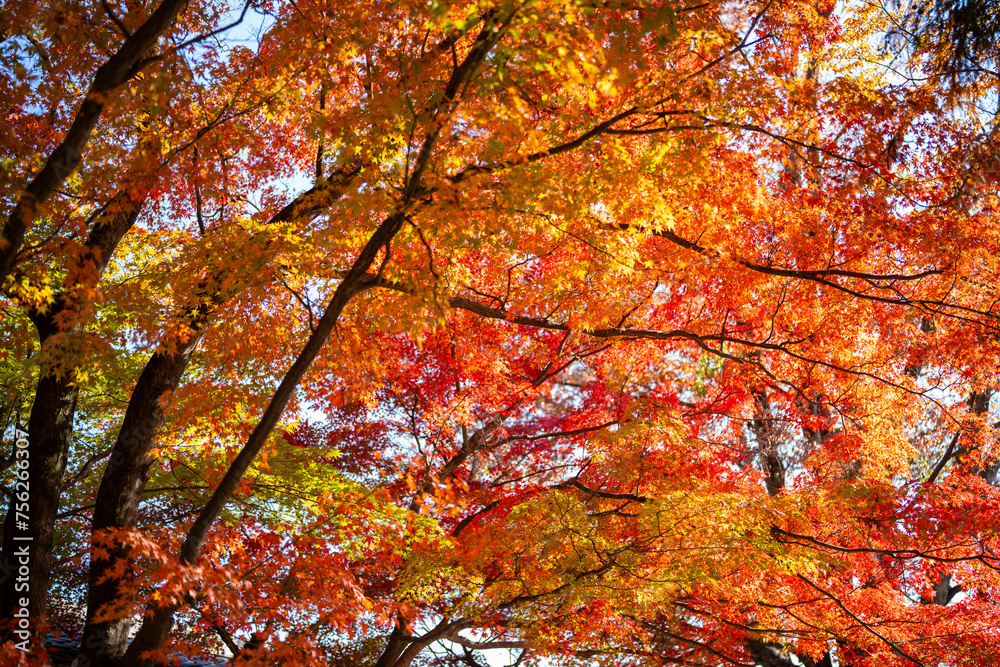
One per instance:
(121,492)
(27,539)
(394,649)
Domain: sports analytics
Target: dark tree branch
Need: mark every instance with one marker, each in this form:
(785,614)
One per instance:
(64,160)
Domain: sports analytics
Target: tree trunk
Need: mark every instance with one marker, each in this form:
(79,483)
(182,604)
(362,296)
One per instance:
(762,426)
(27,540)
(121,492)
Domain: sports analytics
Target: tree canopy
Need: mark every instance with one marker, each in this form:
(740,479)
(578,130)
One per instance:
(473,332)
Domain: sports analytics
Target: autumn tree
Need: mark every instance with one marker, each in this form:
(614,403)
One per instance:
(592,332)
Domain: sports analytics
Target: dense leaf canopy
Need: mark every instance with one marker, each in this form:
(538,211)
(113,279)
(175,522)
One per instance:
(460,332)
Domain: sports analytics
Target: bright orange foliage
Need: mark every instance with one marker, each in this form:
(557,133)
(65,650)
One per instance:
(529,331)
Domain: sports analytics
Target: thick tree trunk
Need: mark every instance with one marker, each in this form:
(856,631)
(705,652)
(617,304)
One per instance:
(393,650)
(27,539)
(121,492)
